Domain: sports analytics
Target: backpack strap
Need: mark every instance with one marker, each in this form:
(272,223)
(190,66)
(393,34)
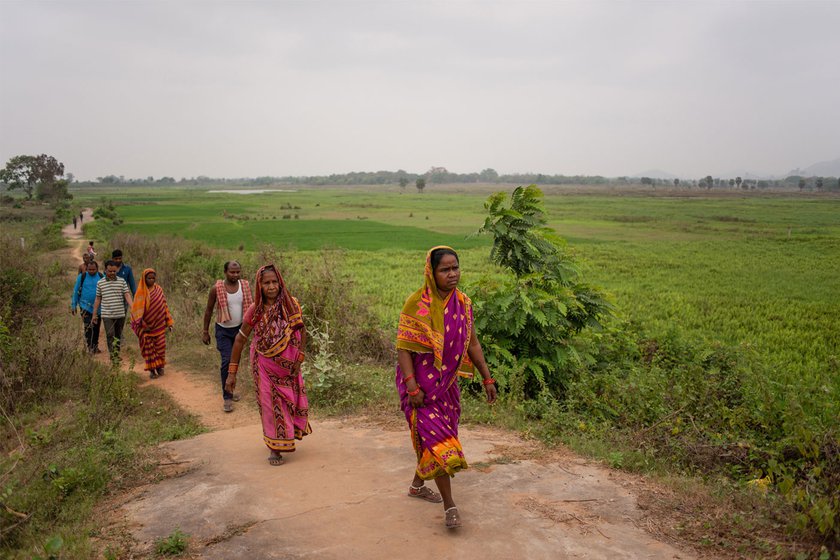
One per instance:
(82,283)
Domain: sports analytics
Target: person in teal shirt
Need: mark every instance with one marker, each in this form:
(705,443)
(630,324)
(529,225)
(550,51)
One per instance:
(84,296)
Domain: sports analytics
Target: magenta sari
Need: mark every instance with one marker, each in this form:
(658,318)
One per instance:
(276,355)
(437,332)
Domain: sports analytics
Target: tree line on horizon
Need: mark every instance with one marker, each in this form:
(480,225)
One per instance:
(44,175)
(440,175)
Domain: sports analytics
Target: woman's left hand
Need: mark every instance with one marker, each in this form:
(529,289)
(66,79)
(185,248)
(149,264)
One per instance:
(491,393)
(230,384)
(418,400)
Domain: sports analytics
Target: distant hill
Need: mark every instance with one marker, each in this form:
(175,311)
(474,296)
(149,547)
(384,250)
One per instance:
(820,169)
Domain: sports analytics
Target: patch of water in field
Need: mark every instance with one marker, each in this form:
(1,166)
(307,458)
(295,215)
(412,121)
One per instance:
(252,191)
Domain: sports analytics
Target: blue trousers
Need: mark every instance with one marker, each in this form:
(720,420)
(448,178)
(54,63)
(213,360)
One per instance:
(224,342)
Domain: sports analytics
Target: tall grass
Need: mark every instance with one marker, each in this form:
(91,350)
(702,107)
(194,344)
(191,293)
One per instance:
(332,302)
(71,429)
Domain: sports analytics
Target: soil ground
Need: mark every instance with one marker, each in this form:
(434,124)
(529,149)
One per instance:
(343,493)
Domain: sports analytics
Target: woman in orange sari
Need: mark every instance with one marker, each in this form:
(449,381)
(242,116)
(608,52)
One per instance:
(150,318)
(437,344)
(276,356)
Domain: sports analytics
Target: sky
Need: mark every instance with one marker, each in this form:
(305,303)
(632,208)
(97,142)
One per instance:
(246,88)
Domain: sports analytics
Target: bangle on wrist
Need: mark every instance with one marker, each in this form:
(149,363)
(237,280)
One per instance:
(414,392)
(405,379)
(488,381)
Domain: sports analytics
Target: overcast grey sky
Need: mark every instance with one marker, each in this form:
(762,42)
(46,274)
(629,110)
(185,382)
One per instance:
(234,89)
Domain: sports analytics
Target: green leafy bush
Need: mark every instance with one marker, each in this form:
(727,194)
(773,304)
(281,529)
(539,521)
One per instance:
(529,318)
(707,407)
(173,545)
(321,369)
(106,211)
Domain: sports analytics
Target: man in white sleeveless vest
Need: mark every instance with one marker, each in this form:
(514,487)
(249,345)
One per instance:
(230,298)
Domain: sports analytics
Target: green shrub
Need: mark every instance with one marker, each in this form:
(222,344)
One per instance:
(707,408)
(528,320)
(173,545)
(17,288)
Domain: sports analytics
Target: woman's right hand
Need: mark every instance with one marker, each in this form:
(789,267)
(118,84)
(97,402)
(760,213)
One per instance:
(418,400)
(230,384)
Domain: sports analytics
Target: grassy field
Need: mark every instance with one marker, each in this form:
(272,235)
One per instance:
(73,431)
(743,270)
(754,271)
(738,293)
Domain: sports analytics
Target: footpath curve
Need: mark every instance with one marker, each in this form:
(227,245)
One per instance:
(342,494)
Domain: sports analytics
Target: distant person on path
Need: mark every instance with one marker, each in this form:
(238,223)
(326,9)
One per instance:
(124,270)
(74,221)
(81,217)
(86,258)
(276,357)
(230,298)
(150,318)
(437,343)
(84,296)
(90,250)
(112,294)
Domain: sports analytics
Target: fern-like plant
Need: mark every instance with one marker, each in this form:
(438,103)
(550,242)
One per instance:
(529,318)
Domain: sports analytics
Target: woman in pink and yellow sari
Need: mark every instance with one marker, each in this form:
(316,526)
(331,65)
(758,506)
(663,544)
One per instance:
(276,355)
(150,318)
(436,344)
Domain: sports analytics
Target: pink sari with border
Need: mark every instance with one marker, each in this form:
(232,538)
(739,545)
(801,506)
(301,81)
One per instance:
(276,355)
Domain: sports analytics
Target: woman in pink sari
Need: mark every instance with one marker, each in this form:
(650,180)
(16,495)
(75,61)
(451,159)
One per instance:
(276,355)
(437,343)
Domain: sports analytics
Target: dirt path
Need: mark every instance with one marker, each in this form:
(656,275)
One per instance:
(75,233)
(343,495)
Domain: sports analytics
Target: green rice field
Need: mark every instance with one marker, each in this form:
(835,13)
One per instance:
(743,288)
(752,270)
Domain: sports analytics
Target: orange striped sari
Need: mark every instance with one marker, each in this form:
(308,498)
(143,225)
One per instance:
(149,319)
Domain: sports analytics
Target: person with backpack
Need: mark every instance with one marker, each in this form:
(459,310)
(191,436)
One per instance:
(84,295)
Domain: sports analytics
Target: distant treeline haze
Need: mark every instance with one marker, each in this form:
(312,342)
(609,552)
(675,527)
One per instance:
(440,175)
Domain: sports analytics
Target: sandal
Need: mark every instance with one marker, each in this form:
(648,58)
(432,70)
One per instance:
(160,372)
(424,493)
(453,519)
(153,374)
(275,460)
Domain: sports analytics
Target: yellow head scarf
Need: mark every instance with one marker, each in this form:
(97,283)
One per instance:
(421,327)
